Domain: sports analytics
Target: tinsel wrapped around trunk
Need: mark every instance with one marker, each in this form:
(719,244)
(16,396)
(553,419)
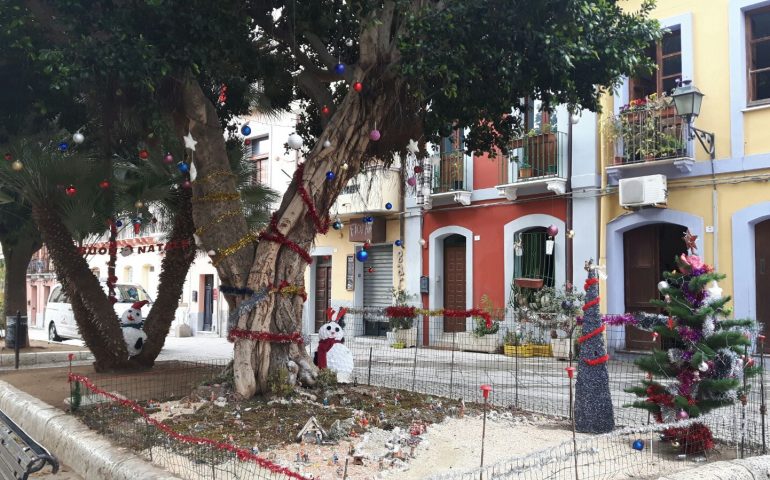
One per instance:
(593,403)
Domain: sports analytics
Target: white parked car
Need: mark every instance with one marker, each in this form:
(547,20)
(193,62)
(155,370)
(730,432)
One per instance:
(61,321)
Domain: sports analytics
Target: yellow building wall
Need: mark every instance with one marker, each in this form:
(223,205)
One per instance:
(756,131)
(339,240)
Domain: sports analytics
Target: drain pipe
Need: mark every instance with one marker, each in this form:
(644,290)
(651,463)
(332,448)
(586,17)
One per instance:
(714,215)
(567,236)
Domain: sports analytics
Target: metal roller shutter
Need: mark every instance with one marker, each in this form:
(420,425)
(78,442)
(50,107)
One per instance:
(378,285)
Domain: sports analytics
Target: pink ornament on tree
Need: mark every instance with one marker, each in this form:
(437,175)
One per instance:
(411,181)
(552,231)
(375,135)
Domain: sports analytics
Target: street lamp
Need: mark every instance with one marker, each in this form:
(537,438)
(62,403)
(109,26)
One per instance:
(688,100)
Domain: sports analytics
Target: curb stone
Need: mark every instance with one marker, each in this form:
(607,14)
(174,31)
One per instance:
(42,358)
(754,468)
(88,454)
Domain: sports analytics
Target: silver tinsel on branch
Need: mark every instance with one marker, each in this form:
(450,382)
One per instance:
(593,404)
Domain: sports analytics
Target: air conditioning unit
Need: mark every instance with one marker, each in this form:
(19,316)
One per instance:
(643,191)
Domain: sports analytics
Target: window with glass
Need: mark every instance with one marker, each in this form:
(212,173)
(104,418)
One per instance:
(260,153)
(758,55)
(667,55)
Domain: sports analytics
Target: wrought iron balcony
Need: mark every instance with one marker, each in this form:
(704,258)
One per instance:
(647,133)
(449,173)
(536,161)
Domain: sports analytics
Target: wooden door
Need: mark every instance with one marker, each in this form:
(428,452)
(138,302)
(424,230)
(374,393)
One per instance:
(762,273)
(642,267)
(454,282)
(323,290)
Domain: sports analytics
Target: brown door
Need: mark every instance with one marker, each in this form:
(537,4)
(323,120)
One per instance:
(454,281)
(762,275)
(323,289)
(642,274)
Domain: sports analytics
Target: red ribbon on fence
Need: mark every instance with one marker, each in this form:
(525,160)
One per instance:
(241,453)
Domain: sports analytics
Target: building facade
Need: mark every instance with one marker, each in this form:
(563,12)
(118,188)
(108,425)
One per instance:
(481,225)
(648,151)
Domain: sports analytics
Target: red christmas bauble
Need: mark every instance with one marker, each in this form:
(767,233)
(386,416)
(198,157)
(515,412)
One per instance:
(325,110)
(104,184)
(417,169)
(247,142)
(371,269)
(186,184)
(8,157)
(358,86)
(70,191)
(367,245)
(144,154)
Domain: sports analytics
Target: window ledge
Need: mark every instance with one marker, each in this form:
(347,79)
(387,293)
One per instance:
(754,108)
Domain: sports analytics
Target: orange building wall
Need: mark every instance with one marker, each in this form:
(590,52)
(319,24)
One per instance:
(486,171)
(487,221)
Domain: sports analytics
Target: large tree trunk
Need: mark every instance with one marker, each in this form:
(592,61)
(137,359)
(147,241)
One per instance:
(273,262)
(17,258)
(173,273)
(93,311)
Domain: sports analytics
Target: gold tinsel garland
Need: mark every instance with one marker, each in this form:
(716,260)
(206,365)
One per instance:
(215,174)
(218,220)
(217,197)
(251,237)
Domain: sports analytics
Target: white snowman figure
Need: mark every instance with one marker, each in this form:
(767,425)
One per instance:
(332,353)
(132,322)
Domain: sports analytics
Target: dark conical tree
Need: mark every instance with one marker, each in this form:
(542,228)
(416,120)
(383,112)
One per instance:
(706,364)
(593,403)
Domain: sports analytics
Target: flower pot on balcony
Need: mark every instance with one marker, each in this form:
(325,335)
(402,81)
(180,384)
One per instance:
(525,172)
(528,282)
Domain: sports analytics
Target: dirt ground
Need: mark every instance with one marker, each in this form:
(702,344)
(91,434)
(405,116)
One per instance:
(37,346)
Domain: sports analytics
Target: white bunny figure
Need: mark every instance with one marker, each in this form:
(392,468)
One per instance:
(332,353)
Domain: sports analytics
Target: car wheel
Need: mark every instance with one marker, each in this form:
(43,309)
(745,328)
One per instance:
(53,336)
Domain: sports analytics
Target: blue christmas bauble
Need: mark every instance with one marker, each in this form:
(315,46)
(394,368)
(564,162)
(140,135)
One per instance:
(118,224)
(388,206)
(337,225)
(339,69)
(362,255)
(246,130)
(183,167)
(638,445)
(63,146)
(330,175)
(398,243)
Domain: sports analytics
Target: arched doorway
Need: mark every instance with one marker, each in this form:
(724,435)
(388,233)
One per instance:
(762,273)
(648,251)
(454,281)
(533,258)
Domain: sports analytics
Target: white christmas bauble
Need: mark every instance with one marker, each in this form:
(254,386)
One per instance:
(703,366)
(713,291)
(78,138)
(344,166)
(422,242)
(327,144)
(349,43)
(662,285)
(212,253)
(295,141)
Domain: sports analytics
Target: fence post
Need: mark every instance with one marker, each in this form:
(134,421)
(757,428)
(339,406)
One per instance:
(369,374)
(414,367)
(452,366)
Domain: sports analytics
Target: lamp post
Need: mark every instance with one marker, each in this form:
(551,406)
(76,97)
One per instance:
(688,100)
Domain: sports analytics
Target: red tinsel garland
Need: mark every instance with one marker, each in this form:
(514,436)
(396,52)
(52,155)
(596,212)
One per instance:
(294,337)
(474,312)
(242,454)
(400,312)
(597,361)
(278,237)
(696,438)
(592,334)
(322,226)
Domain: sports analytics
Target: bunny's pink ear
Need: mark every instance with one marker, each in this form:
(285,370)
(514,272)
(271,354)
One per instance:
(330,314)
(139,305)
(342,313)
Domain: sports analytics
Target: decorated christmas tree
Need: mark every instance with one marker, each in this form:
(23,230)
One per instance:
(593,404)
(707,360)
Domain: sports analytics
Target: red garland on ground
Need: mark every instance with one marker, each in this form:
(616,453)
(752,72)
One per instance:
(242,454)
(295,337)
(592,334)
(692,440)
(321,226)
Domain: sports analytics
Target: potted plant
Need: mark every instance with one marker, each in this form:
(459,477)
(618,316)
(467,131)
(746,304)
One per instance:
(554,309)
(525,170)
(513,345)
(401,319)
(484,338)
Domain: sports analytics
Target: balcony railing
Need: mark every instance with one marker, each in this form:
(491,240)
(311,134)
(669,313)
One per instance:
(534,157)
(449,173)
(648,134)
